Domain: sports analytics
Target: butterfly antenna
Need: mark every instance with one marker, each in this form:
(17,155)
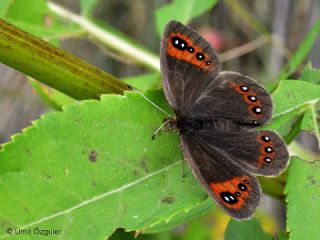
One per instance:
(159,128)
(155,105)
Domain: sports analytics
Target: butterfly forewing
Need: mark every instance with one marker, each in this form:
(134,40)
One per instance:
(193,87)
(234,96)
(188,65)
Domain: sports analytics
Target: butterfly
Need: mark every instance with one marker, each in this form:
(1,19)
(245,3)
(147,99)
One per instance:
(216,115)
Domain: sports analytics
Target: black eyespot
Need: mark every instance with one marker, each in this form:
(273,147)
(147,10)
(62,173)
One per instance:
(200,56)
(252,98)
(208,62)
(265,138)
(228,197)
(191,49)
(242,187)
(238,194)
(244,88)
(268,149)
(267,160)
(179,43)
(257,110)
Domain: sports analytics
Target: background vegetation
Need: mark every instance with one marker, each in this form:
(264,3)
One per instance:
(90,168)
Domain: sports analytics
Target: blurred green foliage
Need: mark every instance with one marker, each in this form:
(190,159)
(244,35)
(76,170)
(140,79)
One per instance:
(50,161)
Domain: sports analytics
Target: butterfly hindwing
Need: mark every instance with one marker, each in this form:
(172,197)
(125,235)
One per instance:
(188,65)
(234,96)
(232,188)
(258,152)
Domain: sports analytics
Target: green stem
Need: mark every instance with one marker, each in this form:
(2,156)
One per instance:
(294,132)
(272,187)
(54,66)
(111,40)
(301,53)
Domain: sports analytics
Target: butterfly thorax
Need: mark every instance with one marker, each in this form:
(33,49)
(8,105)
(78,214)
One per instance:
(188,124)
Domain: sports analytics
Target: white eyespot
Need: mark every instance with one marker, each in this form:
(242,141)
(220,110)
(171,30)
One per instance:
(244,88)
(176,42)
(268,149)
(267,159)
(200,56)
(258,110)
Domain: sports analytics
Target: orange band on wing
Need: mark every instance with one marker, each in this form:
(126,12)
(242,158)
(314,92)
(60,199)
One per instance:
(250,98)
(186,54)
(232,193)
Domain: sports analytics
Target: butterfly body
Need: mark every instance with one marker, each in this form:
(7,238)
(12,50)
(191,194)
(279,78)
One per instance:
(217,114)
(189,125)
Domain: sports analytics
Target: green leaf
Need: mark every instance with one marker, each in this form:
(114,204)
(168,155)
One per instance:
(292,94)
(182,11)
(142,82)
(310,122)
(310,74)
(293,98)
(282,236)
(35,14)
(49,34)
(272,186)
(38,20)
(93,168)
(50,96)
(287,123)
(183,216)
(4,7)
(290,105)
(303,209)
(87,6)
(246,230)
(301,53)
(199,229)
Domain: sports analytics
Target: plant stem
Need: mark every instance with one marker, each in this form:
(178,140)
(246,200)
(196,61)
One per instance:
(120,45)
(272,187)
(53,66)
(243,49)
(301,53)
(251,21)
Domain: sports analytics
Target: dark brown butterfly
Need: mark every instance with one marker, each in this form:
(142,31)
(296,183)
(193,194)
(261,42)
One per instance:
(216,115)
